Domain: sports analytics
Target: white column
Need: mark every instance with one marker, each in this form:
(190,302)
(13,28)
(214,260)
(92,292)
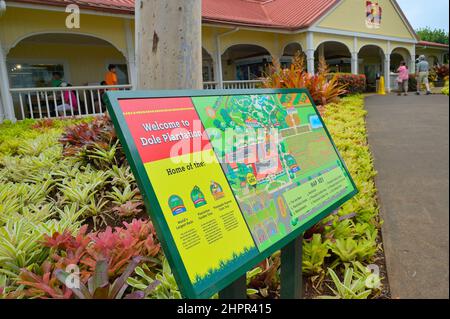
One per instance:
(354,62)
(8,107)
(412,63)
(215,66)
(310,52)
(131,57)
(218,66)
(355,56)
(387,72)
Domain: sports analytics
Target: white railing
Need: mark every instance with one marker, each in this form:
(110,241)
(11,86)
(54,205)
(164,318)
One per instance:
(210,85)
(239,85)
(48,102)
(38,103)
(233,85)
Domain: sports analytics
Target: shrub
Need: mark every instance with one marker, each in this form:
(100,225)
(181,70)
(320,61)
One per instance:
(445,88)
(442,71)
(322,89)
(412,83)
(354,83)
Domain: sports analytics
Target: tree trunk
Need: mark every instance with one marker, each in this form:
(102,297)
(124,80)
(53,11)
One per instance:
(169,44)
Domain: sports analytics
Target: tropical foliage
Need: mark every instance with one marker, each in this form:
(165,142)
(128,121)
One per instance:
(68,197)
(323,88)
(353,83)
(433,35)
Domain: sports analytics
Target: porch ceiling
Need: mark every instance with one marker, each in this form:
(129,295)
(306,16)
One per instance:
(72,39)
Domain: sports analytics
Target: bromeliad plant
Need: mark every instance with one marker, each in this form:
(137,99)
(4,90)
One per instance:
(146,276)
(353,285)
(323,88)
(314,253)
(99,286)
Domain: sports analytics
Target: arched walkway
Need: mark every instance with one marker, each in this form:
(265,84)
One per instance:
(372,64)
(81,59)
(244,62)
(336,54)
(289,52)
(397,56)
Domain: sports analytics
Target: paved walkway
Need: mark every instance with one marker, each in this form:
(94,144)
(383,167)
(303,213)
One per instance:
(409,138)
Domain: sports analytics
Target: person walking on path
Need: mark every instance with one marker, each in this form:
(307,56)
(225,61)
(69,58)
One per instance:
(403,79)
(422,71)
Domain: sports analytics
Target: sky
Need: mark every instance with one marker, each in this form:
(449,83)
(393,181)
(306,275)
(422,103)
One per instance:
(426,13)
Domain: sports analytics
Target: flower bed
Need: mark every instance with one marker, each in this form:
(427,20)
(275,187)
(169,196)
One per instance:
(67,197)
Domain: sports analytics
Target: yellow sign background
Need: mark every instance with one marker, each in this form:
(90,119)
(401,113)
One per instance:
(202,257)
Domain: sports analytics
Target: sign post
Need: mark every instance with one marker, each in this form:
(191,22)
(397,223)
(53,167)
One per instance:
(291,270)
(229,178)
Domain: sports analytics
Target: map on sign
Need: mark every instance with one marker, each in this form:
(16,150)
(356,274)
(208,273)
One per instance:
(230,178)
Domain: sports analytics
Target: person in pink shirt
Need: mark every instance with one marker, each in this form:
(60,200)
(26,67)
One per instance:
(403,79)
(69,102)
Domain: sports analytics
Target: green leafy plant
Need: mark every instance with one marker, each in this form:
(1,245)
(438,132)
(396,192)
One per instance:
(167,287)
(445,90)
(353,286)
(349,249)
(120,197)
(314,253)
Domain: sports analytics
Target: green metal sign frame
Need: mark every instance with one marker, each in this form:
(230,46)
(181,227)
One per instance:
(151,200)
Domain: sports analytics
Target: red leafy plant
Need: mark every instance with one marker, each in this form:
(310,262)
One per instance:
(98,133)
(99,286)
(115,247)
(323,88)
(128,209)
(442,71)
(43,124)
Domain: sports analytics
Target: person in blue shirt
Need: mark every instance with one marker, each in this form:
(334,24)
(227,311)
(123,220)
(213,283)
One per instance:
(422,72)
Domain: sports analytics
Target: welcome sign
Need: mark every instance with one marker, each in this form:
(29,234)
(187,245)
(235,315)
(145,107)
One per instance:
(229,177)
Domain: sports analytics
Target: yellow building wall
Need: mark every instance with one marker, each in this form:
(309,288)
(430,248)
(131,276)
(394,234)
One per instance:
(83,64)
(208,40)
(383,44)
(407,46)
(320,38)
(19,23)
(286,39)
(350,15)
(267,40)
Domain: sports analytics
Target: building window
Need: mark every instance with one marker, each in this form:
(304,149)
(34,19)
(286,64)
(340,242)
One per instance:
(26,75)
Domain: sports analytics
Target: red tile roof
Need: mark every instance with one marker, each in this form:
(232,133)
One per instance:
(284,14)
(432,44)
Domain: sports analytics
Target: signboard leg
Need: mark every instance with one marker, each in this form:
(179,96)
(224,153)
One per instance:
(237,290)
(291,270)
